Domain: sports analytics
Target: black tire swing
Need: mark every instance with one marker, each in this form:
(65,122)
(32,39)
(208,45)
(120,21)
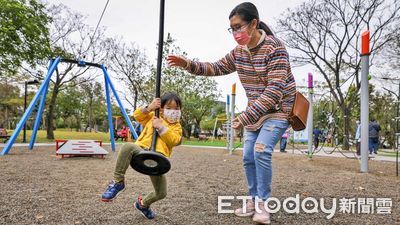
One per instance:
(151,162)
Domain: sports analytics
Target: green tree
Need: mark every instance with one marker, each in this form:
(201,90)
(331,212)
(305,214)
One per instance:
(70,106)
(24,34)
(10,103)
(384,102)
(198,94)
(94,104)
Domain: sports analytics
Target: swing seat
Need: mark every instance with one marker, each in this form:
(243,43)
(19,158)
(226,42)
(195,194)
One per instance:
(151,163)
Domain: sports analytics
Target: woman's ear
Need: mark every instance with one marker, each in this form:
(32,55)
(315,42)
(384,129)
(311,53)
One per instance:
(254,24)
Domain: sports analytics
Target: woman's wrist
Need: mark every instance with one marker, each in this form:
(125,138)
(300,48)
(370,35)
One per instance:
(187,64)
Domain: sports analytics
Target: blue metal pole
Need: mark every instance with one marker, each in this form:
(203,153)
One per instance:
(27,113)
(109,112)
(39,114)
(127,119)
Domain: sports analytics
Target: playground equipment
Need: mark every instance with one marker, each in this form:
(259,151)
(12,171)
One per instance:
(310,115)
(364,111)
(218,119)
(232,134)
(228,125)
(42,92)
(230,115)
(80,148)
(117,121)
(152,162)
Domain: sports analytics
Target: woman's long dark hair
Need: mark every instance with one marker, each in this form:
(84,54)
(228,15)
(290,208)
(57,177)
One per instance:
(248,11)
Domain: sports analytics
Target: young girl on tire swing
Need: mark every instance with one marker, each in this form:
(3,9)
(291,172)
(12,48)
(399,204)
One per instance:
(169,135)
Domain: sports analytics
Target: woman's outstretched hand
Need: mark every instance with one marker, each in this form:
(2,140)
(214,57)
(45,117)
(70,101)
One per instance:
(175,60)
(236,124)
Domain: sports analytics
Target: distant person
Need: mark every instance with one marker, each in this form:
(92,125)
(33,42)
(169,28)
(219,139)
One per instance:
(374,129)
(1,129)
(357,137)
(3,132)
(123,133)
(316,134)
(196,132)
(220,133)
(138,128)
(284,139)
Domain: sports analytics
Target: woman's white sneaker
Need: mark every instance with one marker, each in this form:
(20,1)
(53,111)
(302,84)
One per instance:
(249,210)
(261,216)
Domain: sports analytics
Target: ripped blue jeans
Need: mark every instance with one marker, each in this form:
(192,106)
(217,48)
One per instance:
(257,154)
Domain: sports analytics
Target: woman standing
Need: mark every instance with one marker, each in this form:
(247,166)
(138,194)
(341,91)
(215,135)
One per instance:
(262,63)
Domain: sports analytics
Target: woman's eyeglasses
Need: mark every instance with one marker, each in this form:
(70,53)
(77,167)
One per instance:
(237,29)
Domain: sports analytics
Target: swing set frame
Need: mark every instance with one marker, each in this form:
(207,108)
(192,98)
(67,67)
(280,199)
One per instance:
(41,98)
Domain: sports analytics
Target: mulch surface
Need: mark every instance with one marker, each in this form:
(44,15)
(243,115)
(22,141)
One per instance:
(39,188)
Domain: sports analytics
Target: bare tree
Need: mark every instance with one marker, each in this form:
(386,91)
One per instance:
(326,34)
(391,53)
(70,38)
(131,67)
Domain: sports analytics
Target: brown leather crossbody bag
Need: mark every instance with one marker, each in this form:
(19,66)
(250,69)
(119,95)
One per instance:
(299,114)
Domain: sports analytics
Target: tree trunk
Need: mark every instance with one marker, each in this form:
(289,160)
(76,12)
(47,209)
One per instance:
(78,123)
(188,130)
(346,144)
(135,99)
(50,113)
(43,124)
(7,123)
(90,122)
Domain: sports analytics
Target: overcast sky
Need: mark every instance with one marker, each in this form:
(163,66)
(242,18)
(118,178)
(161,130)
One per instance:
(200,27)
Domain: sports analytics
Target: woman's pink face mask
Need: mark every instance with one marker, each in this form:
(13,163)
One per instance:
(242,38)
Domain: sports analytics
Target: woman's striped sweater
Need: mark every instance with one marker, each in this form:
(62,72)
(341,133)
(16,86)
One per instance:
(265,74)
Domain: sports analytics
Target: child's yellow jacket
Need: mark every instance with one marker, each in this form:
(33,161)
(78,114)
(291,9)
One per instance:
(166,141)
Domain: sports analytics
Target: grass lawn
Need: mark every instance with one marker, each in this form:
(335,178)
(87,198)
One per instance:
(65,134)
(387,153)
(216,143)
(73,135)
(105,137)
